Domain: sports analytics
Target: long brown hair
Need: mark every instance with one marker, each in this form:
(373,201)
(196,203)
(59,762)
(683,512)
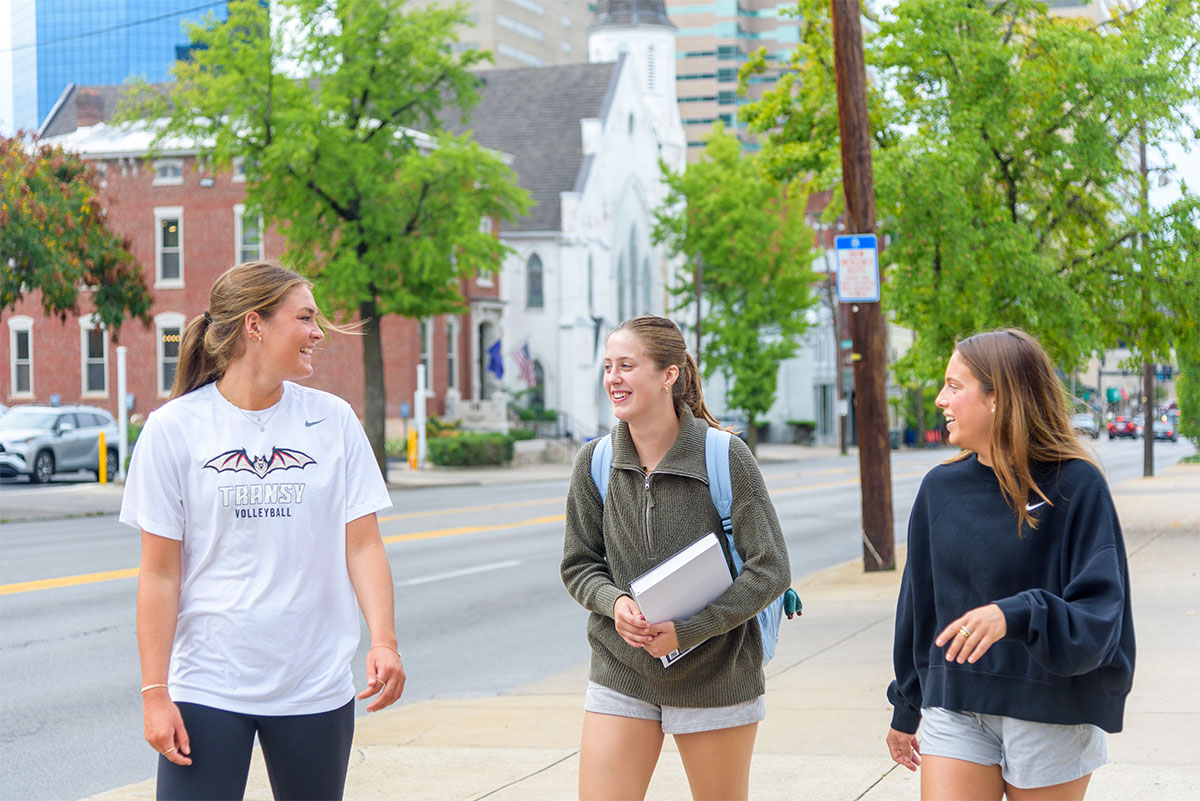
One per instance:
(1032,419)
(663,342)
(214,339)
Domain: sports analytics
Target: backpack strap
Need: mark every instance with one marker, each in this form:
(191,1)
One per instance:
(602,465)
(720,485)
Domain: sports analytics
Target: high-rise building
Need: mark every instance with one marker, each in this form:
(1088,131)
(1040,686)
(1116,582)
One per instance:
(526,33)
(54,43)
(714,39)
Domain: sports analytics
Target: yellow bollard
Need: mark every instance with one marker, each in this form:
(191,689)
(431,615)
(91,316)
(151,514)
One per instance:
(103,461)
(412,449)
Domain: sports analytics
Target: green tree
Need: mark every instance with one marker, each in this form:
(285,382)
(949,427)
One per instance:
(1006,168)
(386,219)
(1187,387)
(55,239)
(748,235)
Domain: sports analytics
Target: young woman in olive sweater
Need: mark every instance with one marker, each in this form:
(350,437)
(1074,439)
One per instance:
(658,503)
(1014,645)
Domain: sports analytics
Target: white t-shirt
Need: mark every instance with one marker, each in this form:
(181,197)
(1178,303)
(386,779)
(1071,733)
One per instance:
(268,622)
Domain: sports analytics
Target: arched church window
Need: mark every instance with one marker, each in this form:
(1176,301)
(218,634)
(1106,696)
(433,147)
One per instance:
(534,294)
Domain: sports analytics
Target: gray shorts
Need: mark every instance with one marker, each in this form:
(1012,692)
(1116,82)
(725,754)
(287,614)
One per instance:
(674,719)
(1029,754)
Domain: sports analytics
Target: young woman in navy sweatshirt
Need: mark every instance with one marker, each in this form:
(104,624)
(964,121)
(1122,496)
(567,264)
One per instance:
(1014,644)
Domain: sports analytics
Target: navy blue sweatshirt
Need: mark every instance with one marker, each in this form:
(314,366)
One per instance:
(1068,653)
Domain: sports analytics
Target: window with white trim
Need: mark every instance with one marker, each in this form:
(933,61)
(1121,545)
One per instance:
(168,247)
(451,353)
(487,278)
(248,238)
(93,356)
(20,344)
(168,329)
(239,169)
(168,172)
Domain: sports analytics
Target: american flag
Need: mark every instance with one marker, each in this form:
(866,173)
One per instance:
(525,365)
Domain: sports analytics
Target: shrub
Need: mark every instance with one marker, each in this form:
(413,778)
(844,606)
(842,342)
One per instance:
(533,413)
(521,433)
(435,427)
(469,449)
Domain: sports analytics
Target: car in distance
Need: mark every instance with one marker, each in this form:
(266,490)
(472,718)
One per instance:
(1085,423)
(1122,426)
(39,441)
(1165,429)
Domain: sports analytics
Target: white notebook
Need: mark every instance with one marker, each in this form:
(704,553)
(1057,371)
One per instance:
(683,585)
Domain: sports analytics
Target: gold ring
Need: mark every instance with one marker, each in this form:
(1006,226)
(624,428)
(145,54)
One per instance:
(169,750)
(965,632)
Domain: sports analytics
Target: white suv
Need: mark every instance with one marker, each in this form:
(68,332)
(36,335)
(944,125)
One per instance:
(39,441)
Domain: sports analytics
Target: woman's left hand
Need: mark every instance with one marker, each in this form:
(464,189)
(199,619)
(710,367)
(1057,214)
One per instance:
(983,626)
(664,640)
(385,676)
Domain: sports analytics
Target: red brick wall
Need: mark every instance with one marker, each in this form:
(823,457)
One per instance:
(208,245)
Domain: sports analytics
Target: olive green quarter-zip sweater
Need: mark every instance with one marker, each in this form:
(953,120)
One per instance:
(649,517)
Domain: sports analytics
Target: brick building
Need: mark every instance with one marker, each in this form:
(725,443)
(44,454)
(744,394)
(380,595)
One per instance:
(187,225)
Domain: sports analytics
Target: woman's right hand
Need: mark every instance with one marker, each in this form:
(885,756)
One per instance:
(904,749)
(164,726)
(630,622)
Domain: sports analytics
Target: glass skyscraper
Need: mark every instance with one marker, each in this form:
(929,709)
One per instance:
(59,42)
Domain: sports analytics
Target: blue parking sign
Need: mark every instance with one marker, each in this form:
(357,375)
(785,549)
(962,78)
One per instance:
(857,268)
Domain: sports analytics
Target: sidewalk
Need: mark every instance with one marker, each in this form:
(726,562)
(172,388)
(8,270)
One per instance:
(399,475)
(827,713)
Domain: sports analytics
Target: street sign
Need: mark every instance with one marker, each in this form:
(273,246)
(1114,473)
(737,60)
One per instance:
(847,344)
(857,268)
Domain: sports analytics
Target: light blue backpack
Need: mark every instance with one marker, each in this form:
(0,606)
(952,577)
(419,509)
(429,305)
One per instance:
(720,487)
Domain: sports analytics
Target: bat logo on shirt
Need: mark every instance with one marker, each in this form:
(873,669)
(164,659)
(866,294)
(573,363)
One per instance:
(239,461)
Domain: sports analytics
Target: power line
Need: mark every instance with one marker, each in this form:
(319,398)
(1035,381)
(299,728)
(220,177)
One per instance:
(121,26)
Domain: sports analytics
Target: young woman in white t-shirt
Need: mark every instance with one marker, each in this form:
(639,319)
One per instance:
(257,502)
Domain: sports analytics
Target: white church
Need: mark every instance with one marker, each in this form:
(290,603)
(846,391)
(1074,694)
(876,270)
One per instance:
(586,141)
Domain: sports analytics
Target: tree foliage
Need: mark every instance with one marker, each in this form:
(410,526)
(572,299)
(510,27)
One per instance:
(749,235)
(1006,169)
(55,239)
(378,203)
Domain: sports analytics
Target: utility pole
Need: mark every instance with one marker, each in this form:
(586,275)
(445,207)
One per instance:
(866,319)
(1147,365)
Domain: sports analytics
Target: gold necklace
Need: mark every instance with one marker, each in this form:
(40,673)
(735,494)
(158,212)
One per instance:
(261,422)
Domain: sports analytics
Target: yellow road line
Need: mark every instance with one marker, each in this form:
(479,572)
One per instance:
(453,532)
(491,507)
(67,581)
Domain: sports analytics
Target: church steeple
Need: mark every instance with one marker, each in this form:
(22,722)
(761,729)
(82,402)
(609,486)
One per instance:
(629,13)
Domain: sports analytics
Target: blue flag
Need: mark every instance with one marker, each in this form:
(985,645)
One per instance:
(495,360)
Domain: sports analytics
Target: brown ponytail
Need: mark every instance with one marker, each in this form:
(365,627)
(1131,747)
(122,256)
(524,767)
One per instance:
(214,339)
(664,344)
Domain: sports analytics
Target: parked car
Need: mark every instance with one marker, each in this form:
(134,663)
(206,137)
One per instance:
(39,441)
(1085,423)
(1165,429)
(1122,426)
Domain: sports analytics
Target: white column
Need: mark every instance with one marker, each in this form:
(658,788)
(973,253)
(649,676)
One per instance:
(122,413)
(419,414)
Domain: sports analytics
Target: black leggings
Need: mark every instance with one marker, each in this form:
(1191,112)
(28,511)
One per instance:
(306,755)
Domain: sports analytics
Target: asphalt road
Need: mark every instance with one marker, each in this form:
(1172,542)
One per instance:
(480,608)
